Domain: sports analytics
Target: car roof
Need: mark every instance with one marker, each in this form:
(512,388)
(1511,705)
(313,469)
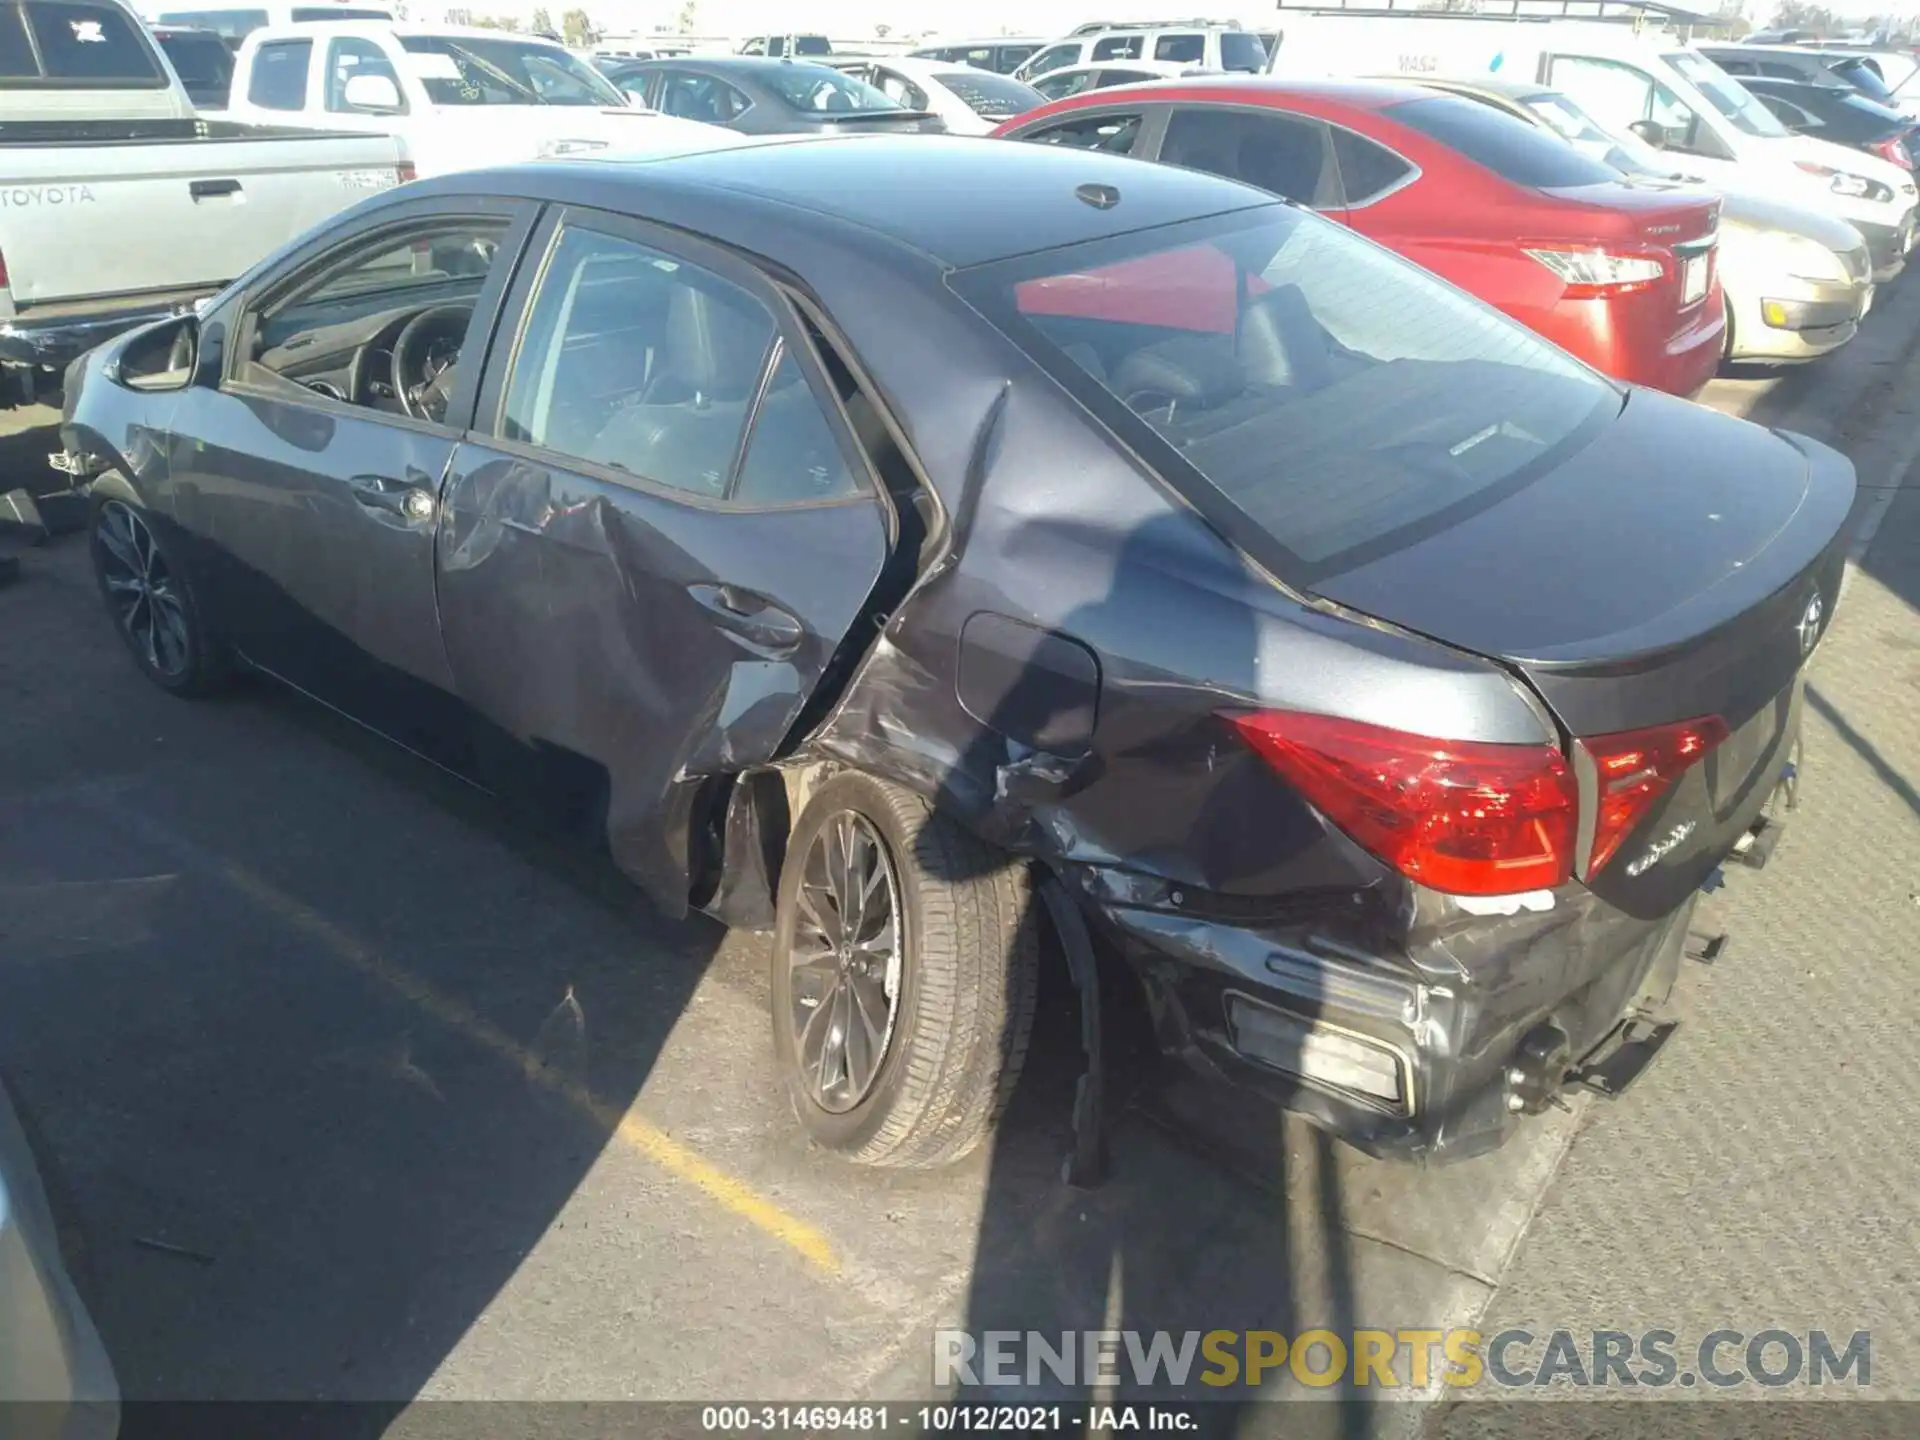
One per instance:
(1235,89)
(748,65)
(1487,85)
(913,192)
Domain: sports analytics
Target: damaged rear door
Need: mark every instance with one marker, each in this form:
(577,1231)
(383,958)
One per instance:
(658,533)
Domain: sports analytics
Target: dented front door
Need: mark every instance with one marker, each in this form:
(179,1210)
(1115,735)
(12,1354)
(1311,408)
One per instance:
(646,566)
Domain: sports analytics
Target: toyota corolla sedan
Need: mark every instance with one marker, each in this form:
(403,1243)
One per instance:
(1621,275)
(954,556)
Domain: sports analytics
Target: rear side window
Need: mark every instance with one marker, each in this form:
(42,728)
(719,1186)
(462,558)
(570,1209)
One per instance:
(1367,170)
(1183,49)
(1284,155)
(1117,47)
(279,80)
(1511,148)
(77,47)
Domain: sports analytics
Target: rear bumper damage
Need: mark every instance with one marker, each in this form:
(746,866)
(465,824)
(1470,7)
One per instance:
(1434,1051)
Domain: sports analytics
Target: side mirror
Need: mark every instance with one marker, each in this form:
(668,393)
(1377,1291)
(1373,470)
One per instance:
(376,94)
(1651,131)
(162,356)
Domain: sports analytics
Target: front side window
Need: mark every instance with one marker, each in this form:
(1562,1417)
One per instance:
(1514,150)
(348,57)
(1336,396)
(383,325)
(1115,134)
(1117,47)
(897,88)
(1062,83)
(1054,58)
(467,71)
(1241,50)
(77,47)
(1006,60)
(1284,155)
(279,79)
(1622,95)
(1727,95)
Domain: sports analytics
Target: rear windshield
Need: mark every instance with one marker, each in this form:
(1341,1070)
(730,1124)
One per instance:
(1504,144)
(1294,378)
(1862,77)
(76,47)
(816,89)
(1626,152)
(994,97)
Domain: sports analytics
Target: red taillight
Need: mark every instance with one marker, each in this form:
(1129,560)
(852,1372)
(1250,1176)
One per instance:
(1462,816)
(1634,768)
(1588,271)
(4,282)
(405,171)
(1893,148)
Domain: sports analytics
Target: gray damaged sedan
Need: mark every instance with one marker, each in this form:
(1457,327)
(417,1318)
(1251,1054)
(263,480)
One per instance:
(952,556)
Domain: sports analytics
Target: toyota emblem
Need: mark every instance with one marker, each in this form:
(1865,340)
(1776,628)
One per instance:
(1809,627)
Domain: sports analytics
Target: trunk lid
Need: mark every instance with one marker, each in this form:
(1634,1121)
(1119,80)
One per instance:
(1682,564)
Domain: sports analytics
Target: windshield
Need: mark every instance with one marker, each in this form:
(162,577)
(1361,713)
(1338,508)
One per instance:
(464,71)
(1336,396)
(202,61)
(1726,94)
(995,97)
(816,88)
(1628,153)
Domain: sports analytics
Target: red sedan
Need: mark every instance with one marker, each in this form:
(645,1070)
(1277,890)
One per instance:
(1620,273)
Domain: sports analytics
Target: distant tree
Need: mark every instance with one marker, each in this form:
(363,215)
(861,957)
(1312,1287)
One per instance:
(689,17)
(576,29)
(542,22)
(1801,15)
(497,22)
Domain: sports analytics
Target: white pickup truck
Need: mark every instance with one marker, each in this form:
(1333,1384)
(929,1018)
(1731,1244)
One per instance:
(458,98)
(118,204)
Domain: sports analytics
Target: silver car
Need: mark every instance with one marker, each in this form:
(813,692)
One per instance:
(1797,281)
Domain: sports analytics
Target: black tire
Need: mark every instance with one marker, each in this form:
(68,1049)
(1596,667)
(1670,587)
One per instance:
(962,1011)
(151,601)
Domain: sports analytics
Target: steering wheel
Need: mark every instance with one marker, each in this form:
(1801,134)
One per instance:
(426,359)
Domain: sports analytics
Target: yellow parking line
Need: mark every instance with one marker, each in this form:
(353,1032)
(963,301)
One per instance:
(632,1131)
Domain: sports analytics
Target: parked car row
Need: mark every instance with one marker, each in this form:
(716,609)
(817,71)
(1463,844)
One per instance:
(1636,205)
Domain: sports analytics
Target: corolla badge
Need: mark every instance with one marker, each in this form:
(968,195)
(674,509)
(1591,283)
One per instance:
(1661,848)
(1809,627)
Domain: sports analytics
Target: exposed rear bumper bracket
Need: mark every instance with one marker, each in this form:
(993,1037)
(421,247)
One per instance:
(1620,1059)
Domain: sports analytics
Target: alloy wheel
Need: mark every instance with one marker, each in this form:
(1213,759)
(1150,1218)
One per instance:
(845,962)
(142,590)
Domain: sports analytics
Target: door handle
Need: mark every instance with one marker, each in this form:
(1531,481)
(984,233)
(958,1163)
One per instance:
(750,616)
(212,189)
(395,497)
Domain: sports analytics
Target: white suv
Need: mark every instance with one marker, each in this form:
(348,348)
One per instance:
(1209,47)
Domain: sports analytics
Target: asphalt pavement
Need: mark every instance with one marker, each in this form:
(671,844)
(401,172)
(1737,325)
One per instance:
(347,1088)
